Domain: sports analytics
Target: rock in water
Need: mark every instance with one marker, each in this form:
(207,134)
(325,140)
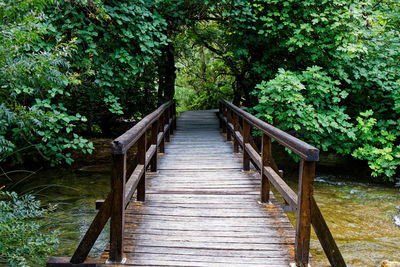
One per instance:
(390,264)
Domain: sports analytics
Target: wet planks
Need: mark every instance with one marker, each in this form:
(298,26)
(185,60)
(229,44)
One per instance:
(201,209)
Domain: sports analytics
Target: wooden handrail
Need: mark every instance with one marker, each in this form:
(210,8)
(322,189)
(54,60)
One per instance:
(304,203)
(125,180)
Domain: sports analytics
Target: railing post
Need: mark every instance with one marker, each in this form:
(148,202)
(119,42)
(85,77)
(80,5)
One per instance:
(118,180)
(229,120)
(153,141)
(246,139)
(265,158)
(224,126)
(167,116)
(174,114)
(235,128)
(303,219)
(161,125)
(141,188)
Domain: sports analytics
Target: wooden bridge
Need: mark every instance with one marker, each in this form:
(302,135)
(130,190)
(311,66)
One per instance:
(201,201)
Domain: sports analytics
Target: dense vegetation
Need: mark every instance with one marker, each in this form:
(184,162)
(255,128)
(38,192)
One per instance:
(325,71)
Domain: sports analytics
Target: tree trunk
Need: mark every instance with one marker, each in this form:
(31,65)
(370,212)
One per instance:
(166,74)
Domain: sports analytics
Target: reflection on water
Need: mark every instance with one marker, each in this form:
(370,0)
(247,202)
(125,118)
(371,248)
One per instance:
(361,216)
(74,192)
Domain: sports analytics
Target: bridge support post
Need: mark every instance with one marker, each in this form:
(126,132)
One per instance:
(141,188)
(303,218)
(246,140)
(167,116)
(118,181)
(228,129)
(161,122)
(266,156)
(235,128)
(153,141)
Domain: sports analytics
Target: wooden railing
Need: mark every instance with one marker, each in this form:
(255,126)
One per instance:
(127,177)
(237,123)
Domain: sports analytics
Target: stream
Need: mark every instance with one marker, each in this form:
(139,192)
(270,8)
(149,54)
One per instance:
(362,216)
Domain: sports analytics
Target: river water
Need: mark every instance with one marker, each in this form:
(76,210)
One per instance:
(362,216)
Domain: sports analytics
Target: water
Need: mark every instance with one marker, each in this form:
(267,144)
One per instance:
(361,216)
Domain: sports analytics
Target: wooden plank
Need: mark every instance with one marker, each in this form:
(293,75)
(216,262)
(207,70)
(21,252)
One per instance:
(66,262)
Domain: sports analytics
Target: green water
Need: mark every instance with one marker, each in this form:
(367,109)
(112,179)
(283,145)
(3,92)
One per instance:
(361,216)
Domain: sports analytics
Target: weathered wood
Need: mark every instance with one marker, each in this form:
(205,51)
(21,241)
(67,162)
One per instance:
(129,138)
(325,237)
(300,148)
(197,213)
(235,129)
(153,140)
(246,139)
(66,262)
(151,153)
(265,160)
(141,187)
(99,203)
(133,182)
(118,181)
(303,218)
(287,193)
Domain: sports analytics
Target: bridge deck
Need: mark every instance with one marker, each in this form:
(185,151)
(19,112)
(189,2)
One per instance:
(202,209)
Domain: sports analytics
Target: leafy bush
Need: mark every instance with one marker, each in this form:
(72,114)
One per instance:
(22,238)
(308,104)
(35,124)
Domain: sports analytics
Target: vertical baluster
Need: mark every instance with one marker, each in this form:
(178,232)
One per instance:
(168,132)
(161,125)
(220,115)
(303,219)
(153,141)
(265,157)
(224,116)
(246,140)
(236,128)
(141,188)
(228,130)
(174,114)
(118,180)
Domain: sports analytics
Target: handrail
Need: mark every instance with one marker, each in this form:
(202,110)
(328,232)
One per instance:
(237,123)
(125,180)
(300,148)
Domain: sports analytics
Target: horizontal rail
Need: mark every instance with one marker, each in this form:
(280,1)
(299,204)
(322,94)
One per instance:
(303,203)
(300,148)
(161,123)
(121,144)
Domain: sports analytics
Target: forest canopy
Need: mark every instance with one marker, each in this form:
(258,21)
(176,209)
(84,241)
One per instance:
(327,72)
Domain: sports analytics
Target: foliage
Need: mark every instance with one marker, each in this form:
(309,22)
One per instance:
(202,78)
(380,147)
(118,43)
(22,241)
(34,123)
(309,105)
